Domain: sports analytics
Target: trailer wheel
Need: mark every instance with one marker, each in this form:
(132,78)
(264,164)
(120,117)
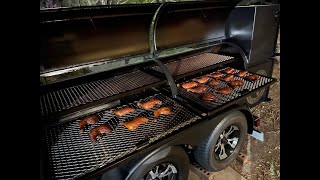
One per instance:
(170,164)
(257,97)
(221,148)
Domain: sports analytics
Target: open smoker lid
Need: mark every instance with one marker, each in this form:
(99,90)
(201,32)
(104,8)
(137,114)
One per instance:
(80,41)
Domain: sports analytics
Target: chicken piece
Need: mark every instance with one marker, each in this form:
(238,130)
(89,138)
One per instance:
(124,111)
(198,90)
(102,129)
(227,78)
(213,83)
(253,77)
(189,85)
(150,104)
(236,83)
(208,97)
(241,73)
(216,75)
(224,90)
(134,124)
(88,120)
(162,110)
(202,79)
(228,71)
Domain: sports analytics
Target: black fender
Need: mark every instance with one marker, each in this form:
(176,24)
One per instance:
(160,153)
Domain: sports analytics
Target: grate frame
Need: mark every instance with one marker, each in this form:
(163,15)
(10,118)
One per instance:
(72,154)
(182,67)
(74,96)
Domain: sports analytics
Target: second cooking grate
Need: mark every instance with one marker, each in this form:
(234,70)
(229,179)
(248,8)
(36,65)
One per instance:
(223,99)
(193,63)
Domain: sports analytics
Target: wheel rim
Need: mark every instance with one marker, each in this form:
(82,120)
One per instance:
(164,171)
(227,142)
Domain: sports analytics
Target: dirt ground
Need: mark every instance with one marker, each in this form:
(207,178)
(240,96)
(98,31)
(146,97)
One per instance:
(263,158)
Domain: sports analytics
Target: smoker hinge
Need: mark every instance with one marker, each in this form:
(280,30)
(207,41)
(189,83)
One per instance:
(258,135)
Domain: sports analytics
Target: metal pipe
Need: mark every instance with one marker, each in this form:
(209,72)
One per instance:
(153,27)
(153,49)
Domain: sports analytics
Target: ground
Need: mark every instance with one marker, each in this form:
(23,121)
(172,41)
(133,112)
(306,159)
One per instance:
(263,158)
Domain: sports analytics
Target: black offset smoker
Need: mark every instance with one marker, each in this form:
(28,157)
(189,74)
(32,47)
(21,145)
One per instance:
(95,60)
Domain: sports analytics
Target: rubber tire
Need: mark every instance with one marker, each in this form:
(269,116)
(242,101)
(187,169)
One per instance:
(175,155)
(204,152)
(252,102)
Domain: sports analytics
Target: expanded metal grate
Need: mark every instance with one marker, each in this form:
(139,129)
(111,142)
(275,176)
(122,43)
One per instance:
(72,154)
(62,99)
(193,63)
(222,99)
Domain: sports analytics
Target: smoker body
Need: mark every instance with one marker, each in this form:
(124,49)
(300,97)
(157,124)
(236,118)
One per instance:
(94,60)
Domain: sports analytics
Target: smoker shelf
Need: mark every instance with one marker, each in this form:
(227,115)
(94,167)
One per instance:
(184,66)
(249,87)
(56,101)
(72,154)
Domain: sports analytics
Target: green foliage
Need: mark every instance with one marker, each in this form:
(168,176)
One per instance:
(69,3)
(75,3)
(273,171)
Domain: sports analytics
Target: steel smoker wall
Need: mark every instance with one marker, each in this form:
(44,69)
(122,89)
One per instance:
(79,36)
(192,23)
(254,29)
(76,36)
(45,4)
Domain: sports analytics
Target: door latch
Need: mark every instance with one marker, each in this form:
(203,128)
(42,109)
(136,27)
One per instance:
(276,16)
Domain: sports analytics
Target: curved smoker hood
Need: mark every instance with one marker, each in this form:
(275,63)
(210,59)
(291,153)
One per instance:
(88,40)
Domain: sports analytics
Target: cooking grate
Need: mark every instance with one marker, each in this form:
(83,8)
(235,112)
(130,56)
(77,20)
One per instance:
(193,63)
(62,99)
(72,154)
(223,99)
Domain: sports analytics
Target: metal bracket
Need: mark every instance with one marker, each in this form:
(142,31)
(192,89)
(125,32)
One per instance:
(170,79)
(153,27)
(153,49)
(258,135)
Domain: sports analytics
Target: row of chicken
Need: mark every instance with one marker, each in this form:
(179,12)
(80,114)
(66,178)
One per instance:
(227,75)
(130,125)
